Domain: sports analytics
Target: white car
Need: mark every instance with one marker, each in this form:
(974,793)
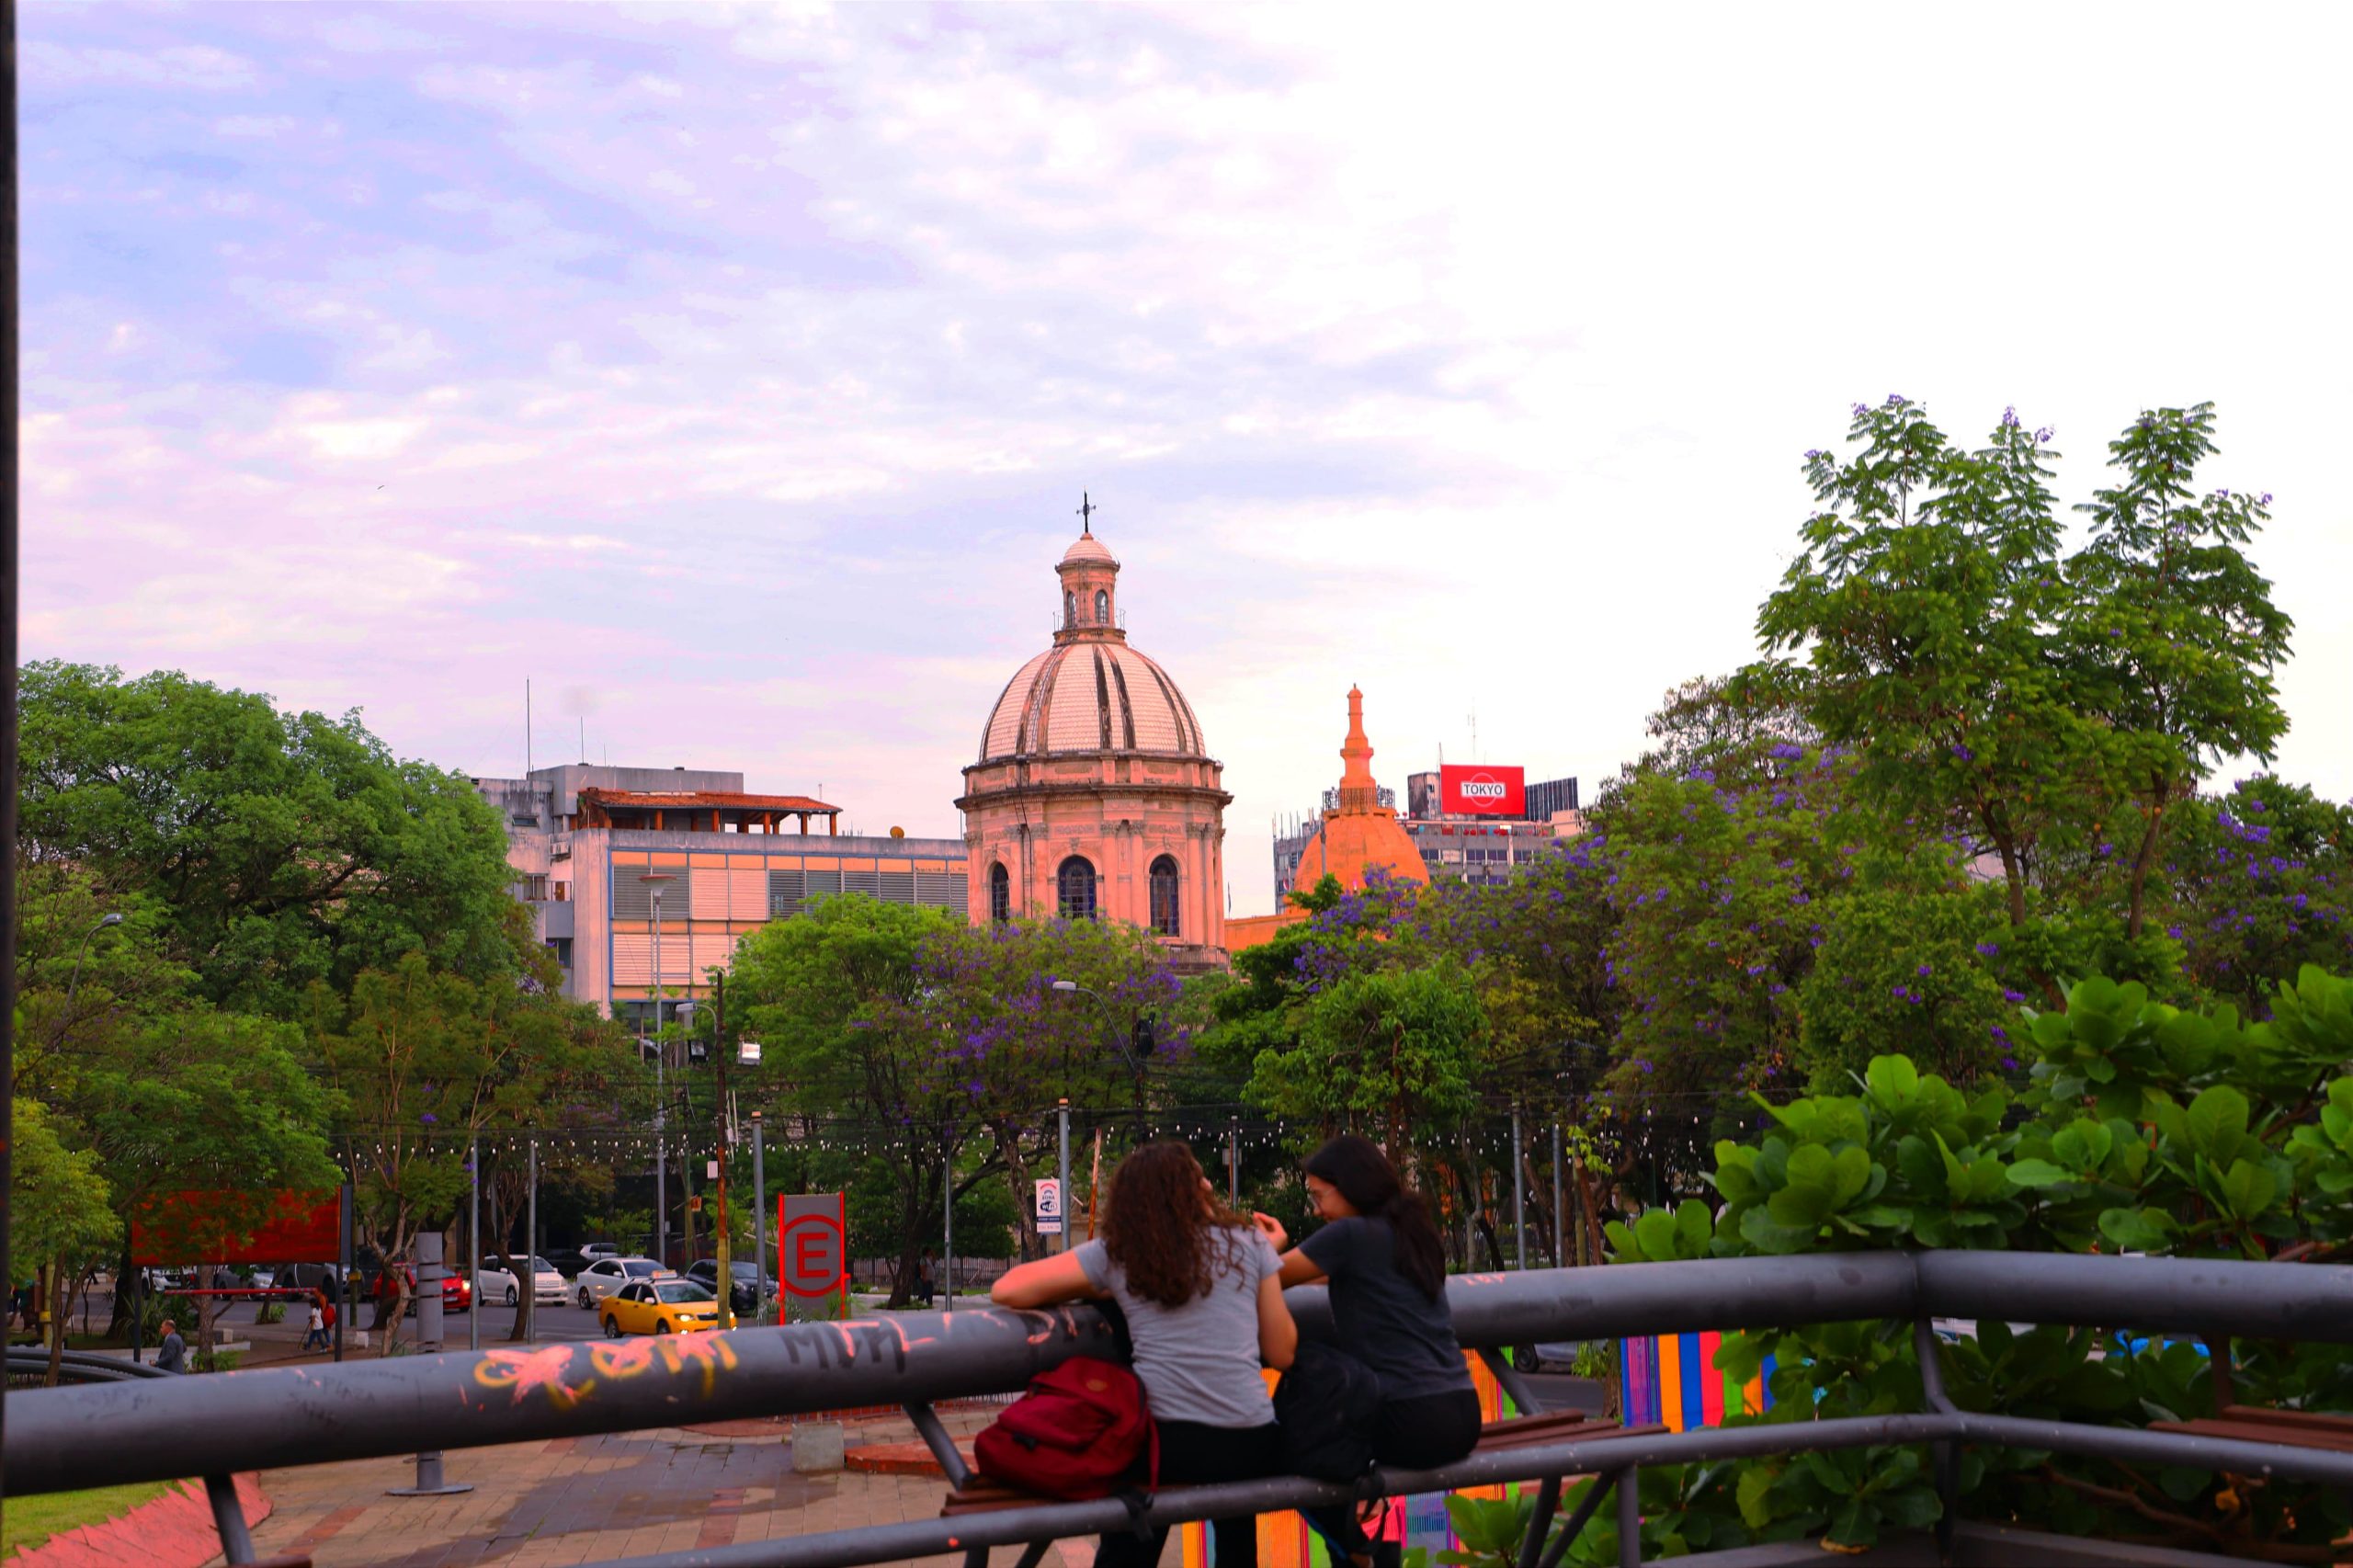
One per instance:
(607,1274)
(547,1285)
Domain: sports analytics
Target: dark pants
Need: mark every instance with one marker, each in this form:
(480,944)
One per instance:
(1190,1455)
(1411,1434)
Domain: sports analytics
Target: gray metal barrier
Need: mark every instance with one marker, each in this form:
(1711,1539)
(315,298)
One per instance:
(162,1429)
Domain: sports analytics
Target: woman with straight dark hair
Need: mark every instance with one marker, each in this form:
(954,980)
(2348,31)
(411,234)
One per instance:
(1380,1250)
(1202,1291)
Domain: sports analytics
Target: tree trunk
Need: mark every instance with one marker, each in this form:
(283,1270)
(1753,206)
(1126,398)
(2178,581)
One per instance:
(2136,911)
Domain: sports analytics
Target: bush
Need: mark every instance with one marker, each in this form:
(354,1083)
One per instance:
(2143,1128)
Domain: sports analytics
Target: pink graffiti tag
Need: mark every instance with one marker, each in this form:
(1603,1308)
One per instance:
(525,1370)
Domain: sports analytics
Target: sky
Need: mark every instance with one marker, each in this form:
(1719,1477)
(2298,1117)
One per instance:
(733,374)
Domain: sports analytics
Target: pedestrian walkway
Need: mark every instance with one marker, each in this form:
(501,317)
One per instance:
(577,1500)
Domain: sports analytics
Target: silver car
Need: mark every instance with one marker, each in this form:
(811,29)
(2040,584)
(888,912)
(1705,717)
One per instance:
(547,1284)
(607,1274)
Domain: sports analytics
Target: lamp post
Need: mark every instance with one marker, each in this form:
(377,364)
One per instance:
(726,1277)
(74,984)
(653,881)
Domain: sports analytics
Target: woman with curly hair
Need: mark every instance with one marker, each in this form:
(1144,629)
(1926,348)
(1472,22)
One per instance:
(1202,1294)
(1381,1250)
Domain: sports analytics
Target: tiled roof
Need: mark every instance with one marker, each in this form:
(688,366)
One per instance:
(680,800)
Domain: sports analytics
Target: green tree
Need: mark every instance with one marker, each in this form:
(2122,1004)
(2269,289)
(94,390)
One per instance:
(1392,1049)
(2174,631)
(420,1061)
(59,1214)
(2258,882)
(278,848)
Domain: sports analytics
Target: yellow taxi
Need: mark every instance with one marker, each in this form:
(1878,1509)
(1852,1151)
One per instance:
(658,1306)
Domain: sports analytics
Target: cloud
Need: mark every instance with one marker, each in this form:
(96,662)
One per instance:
(743,366)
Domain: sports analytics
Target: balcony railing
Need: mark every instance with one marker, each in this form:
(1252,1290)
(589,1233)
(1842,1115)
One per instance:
(163,1430)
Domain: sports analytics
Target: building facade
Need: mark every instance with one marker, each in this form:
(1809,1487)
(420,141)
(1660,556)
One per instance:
(1095,796)
(596,850)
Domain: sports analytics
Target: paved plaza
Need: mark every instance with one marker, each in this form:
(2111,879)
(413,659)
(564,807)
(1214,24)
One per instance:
(577,1500)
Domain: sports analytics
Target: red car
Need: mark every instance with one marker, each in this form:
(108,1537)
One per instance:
(457,1291)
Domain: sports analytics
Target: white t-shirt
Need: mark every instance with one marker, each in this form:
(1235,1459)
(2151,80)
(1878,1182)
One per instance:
(1199,1362)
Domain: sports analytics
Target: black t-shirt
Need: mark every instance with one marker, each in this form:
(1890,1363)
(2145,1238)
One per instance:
(1383,1318)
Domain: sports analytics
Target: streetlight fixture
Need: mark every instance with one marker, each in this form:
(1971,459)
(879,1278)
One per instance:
(109,918)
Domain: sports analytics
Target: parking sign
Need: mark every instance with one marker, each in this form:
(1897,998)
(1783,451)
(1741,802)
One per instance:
(1049,1207)
(815,1254)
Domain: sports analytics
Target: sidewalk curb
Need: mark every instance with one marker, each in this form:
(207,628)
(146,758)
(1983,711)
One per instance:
(173,1531)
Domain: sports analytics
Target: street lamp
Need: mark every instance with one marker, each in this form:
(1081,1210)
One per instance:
(726,1277)
(653,881)
(110,918)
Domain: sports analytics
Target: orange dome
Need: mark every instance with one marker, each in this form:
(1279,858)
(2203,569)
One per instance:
(1359,833)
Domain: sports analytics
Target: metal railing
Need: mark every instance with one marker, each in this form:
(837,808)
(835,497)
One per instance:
(163,1430)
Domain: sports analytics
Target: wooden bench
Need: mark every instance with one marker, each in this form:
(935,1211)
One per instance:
(979,1494)
(2260,1424)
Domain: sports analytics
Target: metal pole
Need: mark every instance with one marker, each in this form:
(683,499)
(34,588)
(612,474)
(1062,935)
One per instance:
(1062,1114)
(529,1287)
(429,1276)
(1234,1163)
(1559,1232)
(343,1257)
(1518,1196)
(8,584)
(948,1223)
(474,1238)
(760,1227)
(719,1067)
(661,1172)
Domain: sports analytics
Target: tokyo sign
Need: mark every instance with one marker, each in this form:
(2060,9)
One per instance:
(1481,790)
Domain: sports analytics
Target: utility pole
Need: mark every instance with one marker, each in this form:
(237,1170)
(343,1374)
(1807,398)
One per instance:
(726,1129)
(530,1290)
(653,881)
(1062,1113)
(1519,1197)
(474,1237)
(760,1224)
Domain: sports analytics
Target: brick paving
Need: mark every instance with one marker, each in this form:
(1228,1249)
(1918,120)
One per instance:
(577,1500)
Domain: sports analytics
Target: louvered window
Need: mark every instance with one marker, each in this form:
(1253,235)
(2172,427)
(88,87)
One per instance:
(787,889)
(897,886)
(633,899)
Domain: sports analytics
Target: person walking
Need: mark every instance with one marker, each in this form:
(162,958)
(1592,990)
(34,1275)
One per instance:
(316,1336)
(1382,1253)
(171,1356)
(1201,1290)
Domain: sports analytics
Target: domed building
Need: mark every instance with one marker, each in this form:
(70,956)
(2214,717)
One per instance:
(1095,796)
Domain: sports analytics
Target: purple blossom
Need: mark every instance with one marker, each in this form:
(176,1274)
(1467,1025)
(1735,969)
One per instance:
(2013,997)
(1989,949)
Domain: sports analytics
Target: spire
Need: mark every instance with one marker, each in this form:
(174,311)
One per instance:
(1358,792)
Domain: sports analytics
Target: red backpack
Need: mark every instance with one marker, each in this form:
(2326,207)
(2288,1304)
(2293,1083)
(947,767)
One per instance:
(1076,1433)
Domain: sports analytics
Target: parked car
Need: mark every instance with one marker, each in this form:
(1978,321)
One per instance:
(749,1288)
(605,1275)
(457,1293)
(318,1277)
(568,1261)
(603,1249)
(547,1283)
(658,1306)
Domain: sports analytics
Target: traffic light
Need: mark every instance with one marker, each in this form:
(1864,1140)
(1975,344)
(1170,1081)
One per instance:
(697,1051)
(1142,1040)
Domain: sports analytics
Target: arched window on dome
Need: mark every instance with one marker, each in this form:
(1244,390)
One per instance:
(1000,893)
(1164,896)
(1076,882)
(1070,608)
(1102,607)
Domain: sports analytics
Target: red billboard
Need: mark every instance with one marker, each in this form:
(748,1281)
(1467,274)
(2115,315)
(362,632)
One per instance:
(237,1227)
(1478,789)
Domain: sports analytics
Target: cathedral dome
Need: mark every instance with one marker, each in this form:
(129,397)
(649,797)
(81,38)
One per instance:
(1095,796)
(1091,697)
